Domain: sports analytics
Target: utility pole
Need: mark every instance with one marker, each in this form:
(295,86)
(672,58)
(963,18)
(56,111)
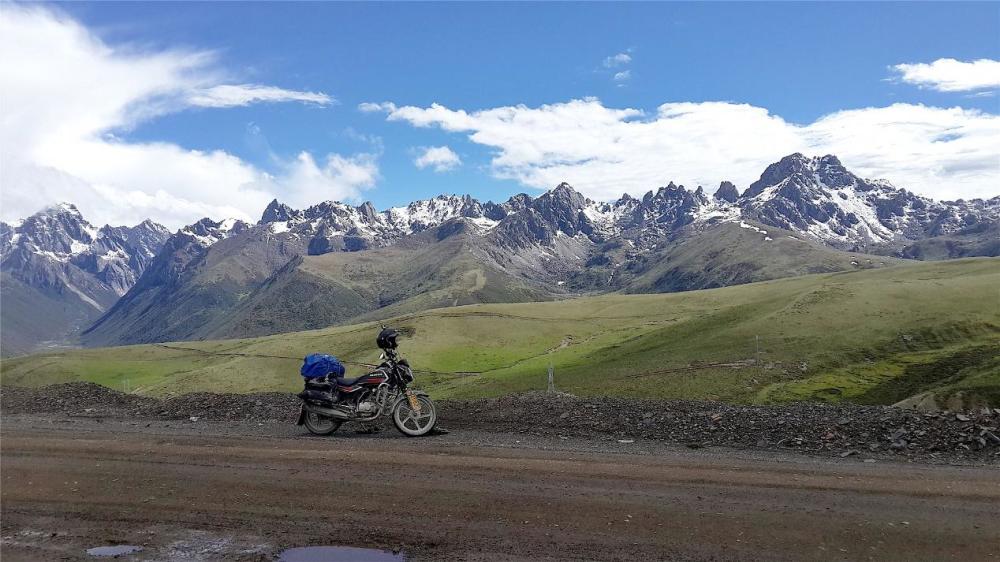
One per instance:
(756,341)
(552,381)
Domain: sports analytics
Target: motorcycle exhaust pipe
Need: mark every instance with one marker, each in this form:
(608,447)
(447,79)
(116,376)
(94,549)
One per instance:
(328,412)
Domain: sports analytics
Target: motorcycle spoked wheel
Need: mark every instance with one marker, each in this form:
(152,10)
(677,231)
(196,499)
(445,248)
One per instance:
(412,423)
(320,425)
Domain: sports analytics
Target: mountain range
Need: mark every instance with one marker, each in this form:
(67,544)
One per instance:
(60,273)
(332,262)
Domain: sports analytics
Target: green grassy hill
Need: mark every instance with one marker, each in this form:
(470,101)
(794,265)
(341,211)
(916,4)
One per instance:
(872,336)
(445,266)
(727,254)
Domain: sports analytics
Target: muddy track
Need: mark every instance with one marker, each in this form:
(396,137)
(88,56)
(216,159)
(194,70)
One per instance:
(228,491)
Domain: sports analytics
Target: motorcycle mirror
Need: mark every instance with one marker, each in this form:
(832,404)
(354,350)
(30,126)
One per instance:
(381,356)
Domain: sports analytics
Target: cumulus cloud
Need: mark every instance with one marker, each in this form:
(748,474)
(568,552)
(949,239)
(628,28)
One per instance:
(441,158)
(303,182)
(65,94)
(950,75)
(617,60)
(940,152)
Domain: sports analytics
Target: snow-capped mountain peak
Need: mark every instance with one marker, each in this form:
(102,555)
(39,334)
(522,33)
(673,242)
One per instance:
(207,232)
(819,197)
(57,250)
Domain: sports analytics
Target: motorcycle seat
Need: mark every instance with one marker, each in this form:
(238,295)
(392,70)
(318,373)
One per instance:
(341,381)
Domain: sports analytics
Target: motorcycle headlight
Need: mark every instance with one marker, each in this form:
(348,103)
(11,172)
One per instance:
(406,374)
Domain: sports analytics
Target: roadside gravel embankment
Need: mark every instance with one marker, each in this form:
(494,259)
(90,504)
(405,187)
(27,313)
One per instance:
(821,429)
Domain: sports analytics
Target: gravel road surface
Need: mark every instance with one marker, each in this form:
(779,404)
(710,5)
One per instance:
(228,490)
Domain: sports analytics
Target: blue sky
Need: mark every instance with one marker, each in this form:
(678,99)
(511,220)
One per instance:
(795,63)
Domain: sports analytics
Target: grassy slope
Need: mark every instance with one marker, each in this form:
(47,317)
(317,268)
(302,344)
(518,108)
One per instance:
(726,254)
(166,305)
(317,291)
(980,240)
(855,332)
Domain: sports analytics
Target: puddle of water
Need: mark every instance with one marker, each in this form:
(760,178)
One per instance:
(338,554)
(113,551)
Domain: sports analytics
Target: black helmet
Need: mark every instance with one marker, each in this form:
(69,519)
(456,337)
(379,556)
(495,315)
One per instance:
(387,338)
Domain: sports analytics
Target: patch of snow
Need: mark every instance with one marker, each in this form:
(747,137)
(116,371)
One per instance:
(279,227)
(850,201)
(227,224)
(52,255)
(484,223)
(425,212)
(114,255)
(756,229)
(205,241)
(92,231)
(721,210)
(84,297)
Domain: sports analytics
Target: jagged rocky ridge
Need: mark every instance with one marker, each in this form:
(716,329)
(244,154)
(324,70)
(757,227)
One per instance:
(57,245)
(822,199)
(815,197)
(60,268)
(788,222)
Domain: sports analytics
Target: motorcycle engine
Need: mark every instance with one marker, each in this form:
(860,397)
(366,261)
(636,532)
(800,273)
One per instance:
(366,407)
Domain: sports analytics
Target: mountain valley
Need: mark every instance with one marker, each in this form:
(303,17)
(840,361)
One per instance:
(333,263)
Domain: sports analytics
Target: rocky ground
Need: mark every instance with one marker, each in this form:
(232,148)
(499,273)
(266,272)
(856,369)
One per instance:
(827,430)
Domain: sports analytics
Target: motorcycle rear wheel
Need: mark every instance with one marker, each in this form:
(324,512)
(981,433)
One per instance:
(320,425)
(412,423)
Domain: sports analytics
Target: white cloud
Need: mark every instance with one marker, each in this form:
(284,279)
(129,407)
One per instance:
(622,76)
(617,60)
(303,182)
(228,95)
(369,107)
(441,158)
(950,75)
(940,152)
(65,93)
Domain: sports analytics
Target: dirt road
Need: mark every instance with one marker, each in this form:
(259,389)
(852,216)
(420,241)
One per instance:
(204,491)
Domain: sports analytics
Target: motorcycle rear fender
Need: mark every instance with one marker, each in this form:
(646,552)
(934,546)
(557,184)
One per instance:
(302,416)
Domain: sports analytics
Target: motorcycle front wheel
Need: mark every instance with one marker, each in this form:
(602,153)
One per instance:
(413,423)
(320,425)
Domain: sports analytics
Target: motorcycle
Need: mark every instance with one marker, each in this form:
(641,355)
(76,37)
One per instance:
(327,405)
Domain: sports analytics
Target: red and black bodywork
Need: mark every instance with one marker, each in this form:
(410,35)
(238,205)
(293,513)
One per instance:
(351,396)
(329,401)
(350,386)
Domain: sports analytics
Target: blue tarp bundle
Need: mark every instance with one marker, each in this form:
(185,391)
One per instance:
(320,365)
